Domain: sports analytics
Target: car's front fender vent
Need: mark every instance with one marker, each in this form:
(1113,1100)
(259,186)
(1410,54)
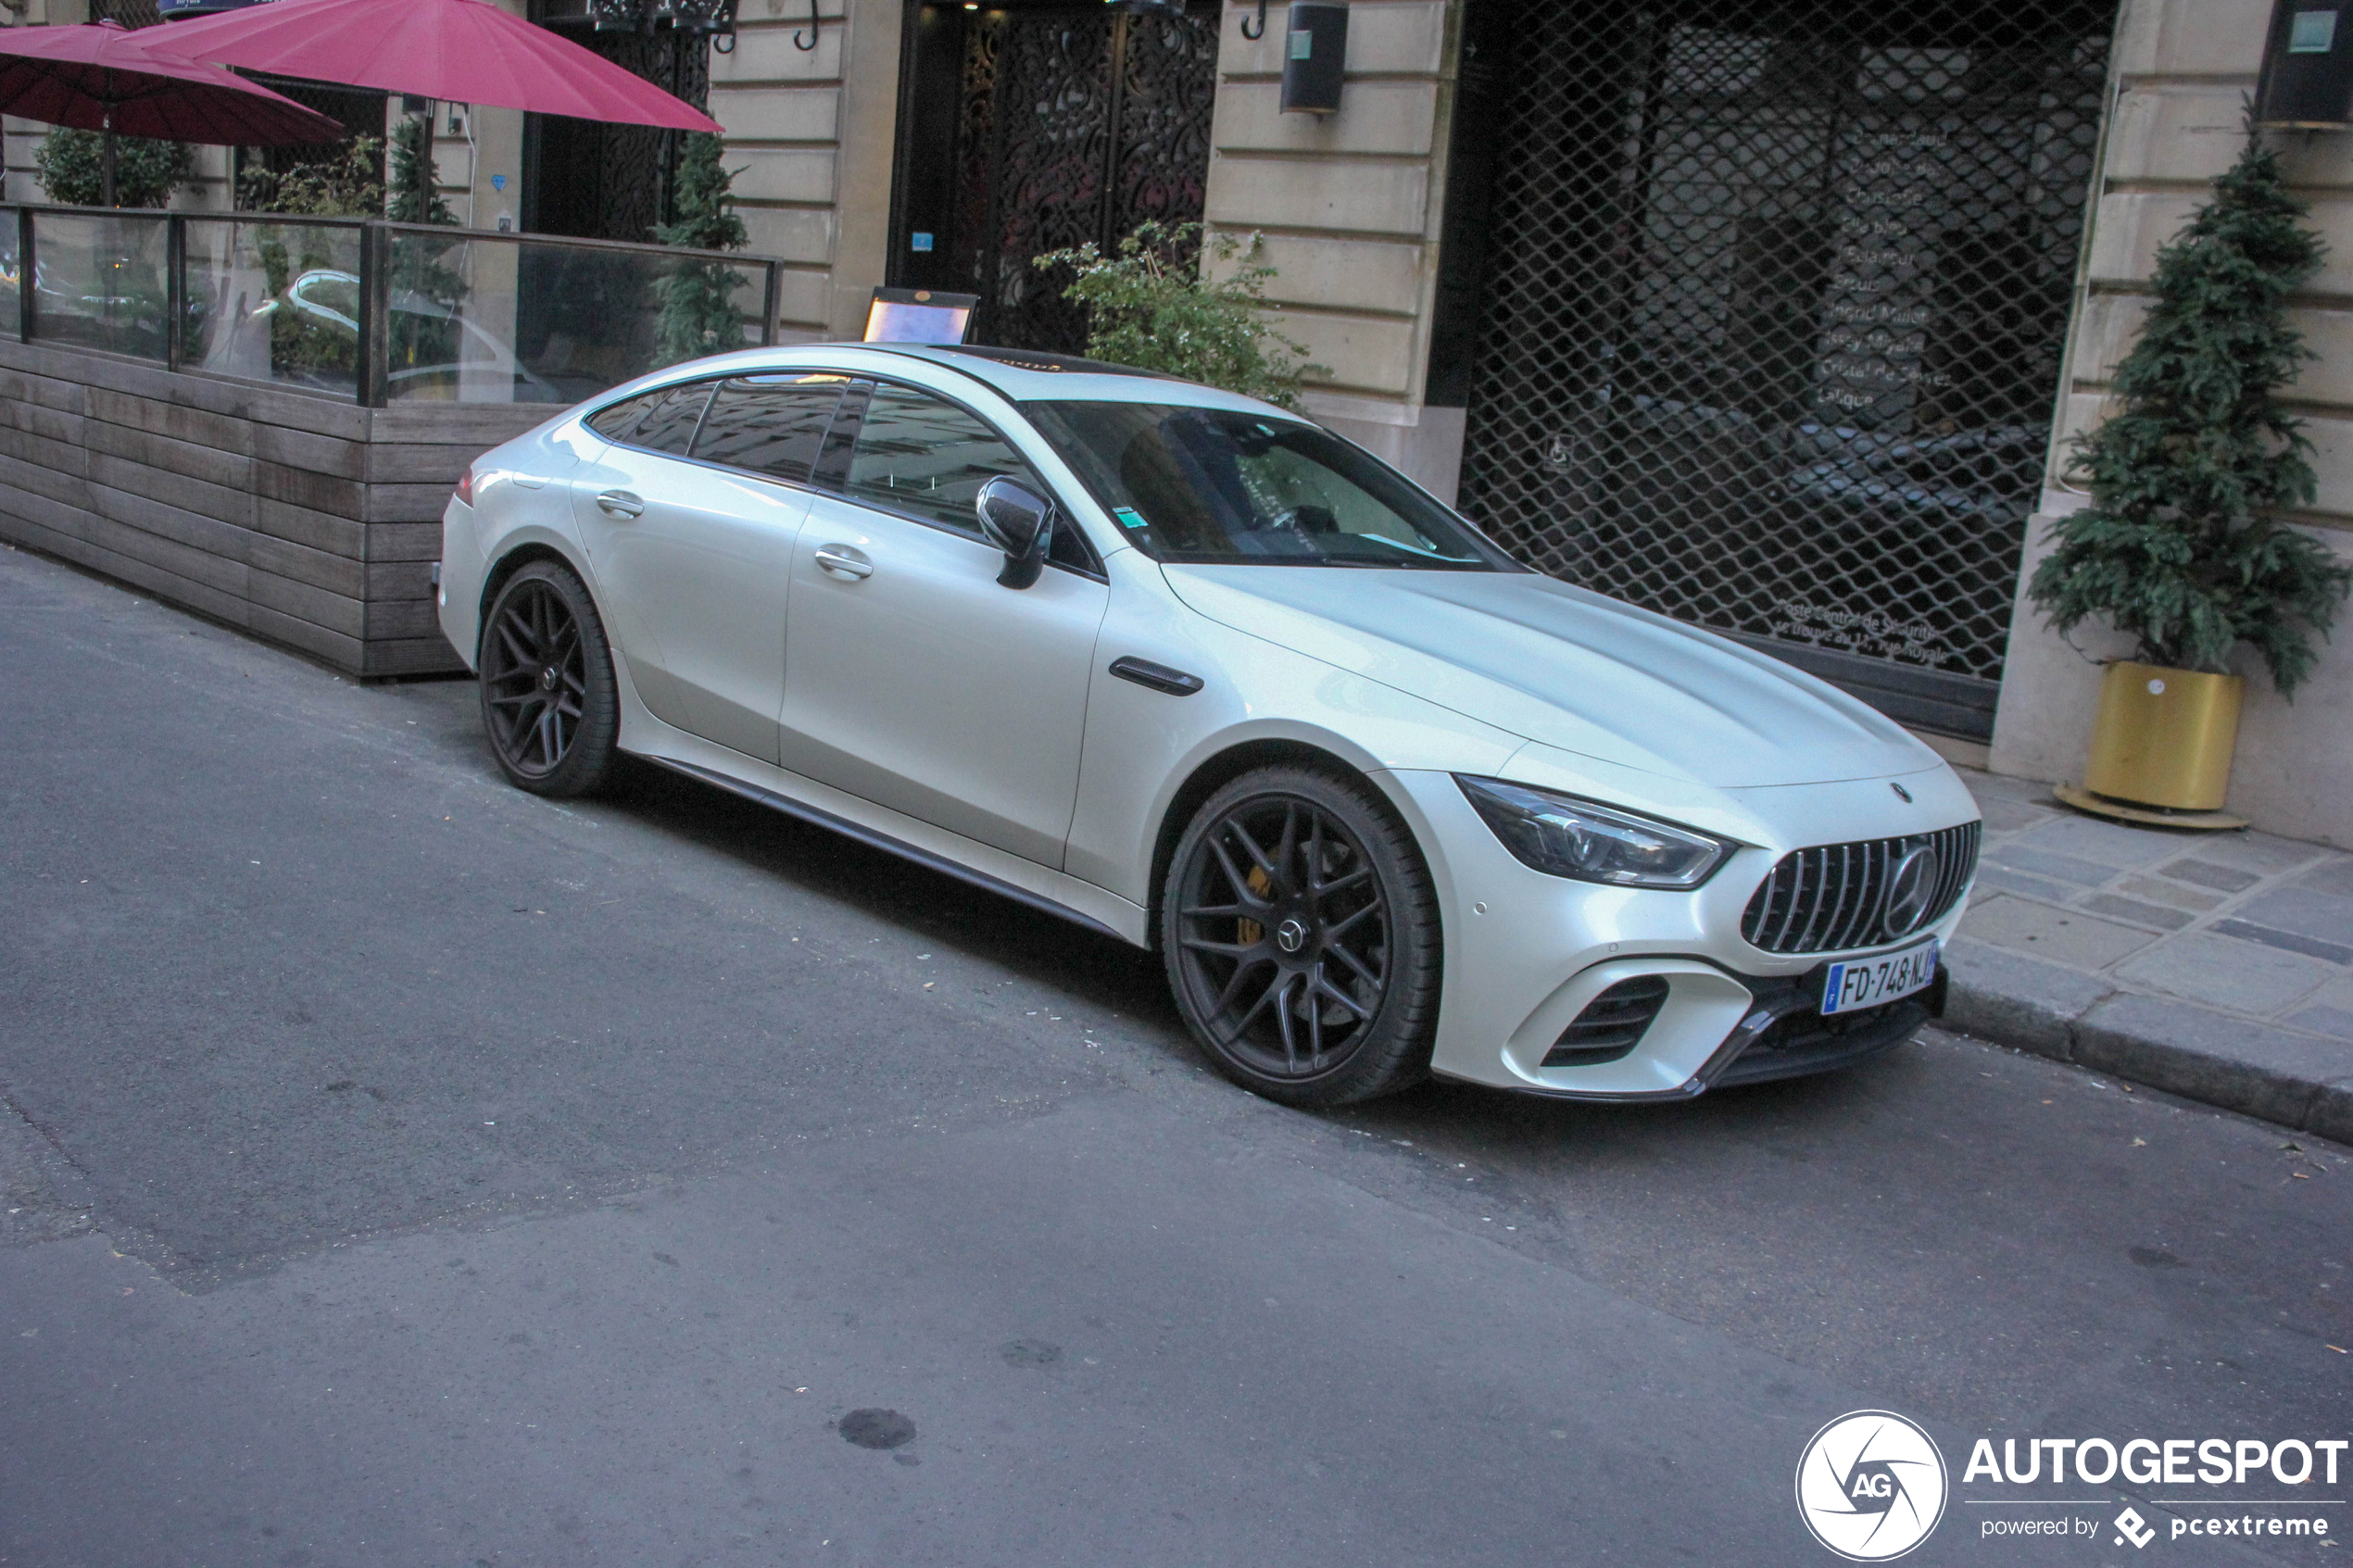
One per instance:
(1835,898)
(1612,1024)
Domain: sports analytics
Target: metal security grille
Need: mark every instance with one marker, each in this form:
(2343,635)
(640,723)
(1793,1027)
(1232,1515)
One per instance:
(1077,124)
(1832,898)
(1771,311)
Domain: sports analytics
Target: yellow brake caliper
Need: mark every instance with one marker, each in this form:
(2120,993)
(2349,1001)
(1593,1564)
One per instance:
(1249,933)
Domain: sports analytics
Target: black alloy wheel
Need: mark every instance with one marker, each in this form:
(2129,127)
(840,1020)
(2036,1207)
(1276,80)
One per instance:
(1302,938)
(548,693)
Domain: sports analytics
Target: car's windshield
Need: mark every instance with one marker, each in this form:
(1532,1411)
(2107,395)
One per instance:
(1213,485)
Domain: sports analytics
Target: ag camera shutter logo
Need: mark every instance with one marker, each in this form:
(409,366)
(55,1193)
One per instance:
(1871,1486)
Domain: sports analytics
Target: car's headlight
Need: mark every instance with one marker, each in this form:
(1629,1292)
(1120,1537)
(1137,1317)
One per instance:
(1565,836)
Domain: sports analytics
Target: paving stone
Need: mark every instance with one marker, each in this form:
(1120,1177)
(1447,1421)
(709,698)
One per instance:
(2223,973)
(2288,941)
(2108,843)
(2337,994)
(2323,1020)
(2039,862)
(1999,996)
(2001,786)
(2134,911)
(2257,852)
(1996,879)
(2303,912)
(2007,816)
(2206,873)
(2226,1060)
(2067,936)
(2157,890)
(2332,877)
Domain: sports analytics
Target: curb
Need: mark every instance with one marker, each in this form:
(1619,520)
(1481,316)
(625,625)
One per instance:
(2240,1064)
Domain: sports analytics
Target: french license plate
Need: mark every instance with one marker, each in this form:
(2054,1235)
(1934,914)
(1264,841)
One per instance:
(1865,982)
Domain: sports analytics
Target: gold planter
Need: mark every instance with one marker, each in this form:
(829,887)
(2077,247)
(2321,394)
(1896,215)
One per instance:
(2164,737)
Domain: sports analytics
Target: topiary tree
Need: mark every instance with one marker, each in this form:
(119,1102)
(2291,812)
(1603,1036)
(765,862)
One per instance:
(698,313)
(2182,547)
(422,333)
(1154,307)
(413,193)
(69,164)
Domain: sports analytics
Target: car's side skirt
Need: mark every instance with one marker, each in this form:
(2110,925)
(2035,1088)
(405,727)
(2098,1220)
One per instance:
(981,865)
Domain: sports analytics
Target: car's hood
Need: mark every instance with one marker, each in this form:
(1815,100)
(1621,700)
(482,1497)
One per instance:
(1565,668)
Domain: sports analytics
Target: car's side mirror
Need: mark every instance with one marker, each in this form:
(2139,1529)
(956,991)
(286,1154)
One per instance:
(1019,521)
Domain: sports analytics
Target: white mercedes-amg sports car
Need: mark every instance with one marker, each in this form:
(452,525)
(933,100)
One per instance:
(1192,671)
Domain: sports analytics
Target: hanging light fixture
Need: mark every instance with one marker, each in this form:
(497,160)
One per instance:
(1314,57)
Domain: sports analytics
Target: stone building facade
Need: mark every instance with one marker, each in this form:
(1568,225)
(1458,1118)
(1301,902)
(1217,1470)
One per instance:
(1772,316)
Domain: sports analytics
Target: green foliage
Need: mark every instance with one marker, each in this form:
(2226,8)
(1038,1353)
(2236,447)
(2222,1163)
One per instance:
(413,194)
(706,217)
(146,174)
(698,313)
(342,185)
(426,290)
(1157,307)
(2181,546)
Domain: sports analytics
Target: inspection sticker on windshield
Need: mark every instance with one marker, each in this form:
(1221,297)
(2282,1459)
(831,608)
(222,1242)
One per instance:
(1130,517)
(1865,982)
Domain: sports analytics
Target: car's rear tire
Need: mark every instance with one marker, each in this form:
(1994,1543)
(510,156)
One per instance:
(1301,935)
(548,698)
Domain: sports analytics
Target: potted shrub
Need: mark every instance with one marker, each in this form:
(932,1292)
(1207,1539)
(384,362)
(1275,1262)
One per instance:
(69,163)
(2182,547)
(1155,306)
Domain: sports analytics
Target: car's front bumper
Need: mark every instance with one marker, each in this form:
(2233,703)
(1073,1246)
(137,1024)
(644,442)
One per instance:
(1527,954)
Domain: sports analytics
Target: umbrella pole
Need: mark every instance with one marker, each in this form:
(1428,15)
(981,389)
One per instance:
(106,161)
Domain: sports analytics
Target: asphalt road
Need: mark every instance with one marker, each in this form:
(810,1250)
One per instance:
(401,1170)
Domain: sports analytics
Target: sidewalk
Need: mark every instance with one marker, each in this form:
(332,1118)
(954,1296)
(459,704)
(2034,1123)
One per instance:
(2216,966)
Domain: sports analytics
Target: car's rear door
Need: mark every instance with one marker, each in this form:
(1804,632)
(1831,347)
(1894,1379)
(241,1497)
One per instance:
(689,522)
(911,678)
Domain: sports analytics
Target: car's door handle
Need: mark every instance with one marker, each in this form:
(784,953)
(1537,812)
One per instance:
(620,502)
(845,562)
(1155,677)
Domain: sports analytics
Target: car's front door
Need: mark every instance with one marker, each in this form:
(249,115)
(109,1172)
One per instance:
(690,520)
(911,678)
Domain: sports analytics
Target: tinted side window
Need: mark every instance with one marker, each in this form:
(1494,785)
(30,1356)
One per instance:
(616,423)
(923,456)
(669,425)
(770,424)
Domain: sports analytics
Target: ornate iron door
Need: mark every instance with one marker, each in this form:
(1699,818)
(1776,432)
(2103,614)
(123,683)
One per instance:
(1772,311)
(1077,124)
(611,181)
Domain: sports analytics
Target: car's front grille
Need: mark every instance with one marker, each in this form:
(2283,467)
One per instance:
(1835,896)
(1612,1024)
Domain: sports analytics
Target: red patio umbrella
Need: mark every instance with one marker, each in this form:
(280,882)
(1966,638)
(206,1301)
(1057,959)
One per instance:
(102,76)
(467,51)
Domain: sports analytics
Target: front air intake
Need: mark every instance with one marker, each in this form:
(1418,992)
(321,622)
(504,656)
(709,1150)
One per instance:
(1612,1024)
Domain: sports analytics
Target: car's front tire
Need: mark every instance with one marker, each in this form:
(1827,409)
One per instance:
(549,698)
(1301,934)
